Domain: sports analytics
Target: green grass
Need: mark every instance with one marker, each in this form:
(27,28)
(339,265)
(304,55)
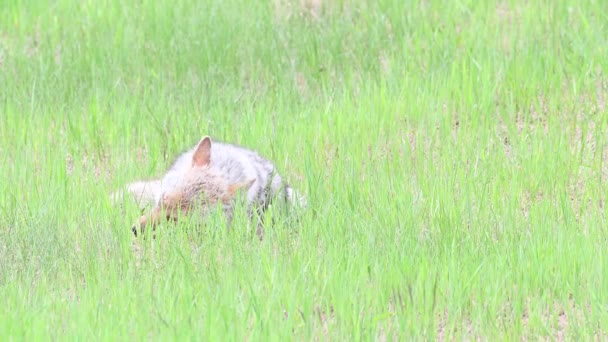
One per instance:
(454,155)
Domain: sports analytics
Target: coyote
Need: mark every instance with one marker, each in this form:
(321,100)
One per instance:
(209,176)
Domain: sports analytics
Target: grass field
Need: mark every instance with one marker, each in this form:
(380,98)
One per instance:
(454,155)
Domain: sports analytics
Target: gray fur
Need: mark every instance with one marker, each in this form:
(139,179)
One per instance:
(237,165)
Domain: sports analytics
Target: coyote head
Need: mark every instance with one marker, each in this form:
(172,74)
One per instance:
(200,189)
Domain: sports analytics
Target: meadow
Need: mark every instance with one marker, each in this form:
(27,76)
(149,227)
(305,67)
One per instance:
(454,156)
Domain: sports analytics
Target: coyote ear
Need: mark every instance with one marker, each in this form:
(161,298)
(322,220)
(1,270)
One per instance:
(232,189)
(202,154)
